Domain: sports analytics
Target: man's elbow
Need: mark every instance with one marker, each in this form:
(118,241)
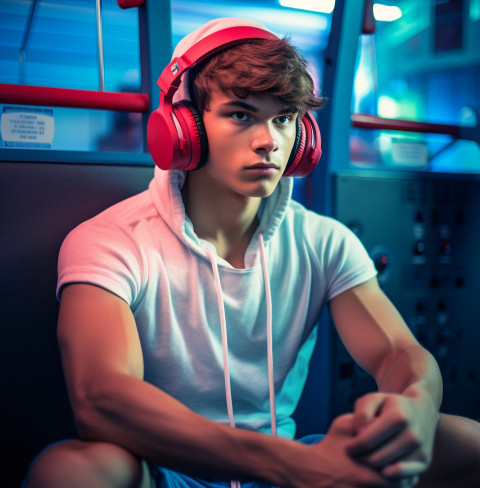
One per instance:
(92,405)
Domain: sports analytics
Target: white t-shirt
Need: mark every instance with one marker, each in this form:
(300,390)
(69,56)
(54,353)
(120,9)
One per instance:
(145,250)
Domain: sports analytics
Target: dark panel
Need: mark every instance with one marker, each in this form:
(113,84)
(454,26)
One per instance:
(422,232)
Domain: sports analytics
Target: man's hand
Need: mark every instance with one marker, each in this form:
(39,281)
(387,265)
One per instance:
(332,466)
(395,428)
(394,434)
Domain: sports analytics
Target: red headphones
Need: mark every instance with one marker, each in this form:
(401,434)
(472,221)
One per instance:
(175,133)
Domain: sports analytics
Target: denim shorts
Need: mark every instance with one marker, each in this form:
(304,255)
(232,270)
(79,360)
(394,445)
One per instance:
(166,478)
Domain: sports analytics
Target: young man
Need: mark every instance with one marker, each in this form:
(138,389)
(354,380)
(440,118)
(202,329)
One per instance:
(188,312)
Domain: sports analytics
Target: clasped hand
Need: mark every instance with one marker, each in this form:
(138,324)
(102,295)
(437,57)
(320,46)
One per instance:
(393,434)
(387,441)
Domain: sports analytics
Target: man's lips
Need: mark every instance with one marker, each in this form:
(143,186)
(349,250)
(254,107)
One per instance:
(263,166)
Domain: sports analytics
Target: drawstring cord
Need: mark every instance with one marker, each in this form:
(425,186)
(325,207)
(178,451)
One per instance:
(223,327)
(268,293)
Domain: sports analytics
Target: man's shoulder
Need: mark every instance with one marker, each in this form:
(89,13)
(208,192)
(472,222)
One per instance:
(121,222)
(108,250)
(312,219)
(126,213)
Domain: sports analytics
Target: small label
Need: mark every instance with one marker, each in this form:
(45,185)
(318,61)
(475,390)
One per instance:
(27,127)
(409,153)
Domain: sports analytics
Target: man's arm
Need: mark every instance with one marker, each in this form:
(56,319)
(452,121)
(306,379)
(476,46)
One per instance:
(396,426)
(103,366)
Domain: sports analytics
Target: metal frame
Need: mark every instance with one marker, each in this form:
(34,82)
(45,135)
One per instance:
(334,118)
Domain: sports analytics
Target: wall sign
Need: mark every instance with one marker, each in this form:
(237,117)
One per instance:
(27,127)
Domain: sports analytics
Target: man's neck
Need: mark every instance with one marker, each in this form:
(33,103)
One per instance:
(225,219)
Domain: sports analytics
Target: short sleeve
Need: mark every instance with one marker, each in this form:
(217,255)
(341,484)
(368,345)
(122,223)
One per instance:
(347,261)
(104,254)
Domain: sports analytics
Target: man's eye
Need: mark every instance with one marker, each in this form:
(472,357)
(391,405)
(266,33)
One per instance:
(241,116)
(284,119)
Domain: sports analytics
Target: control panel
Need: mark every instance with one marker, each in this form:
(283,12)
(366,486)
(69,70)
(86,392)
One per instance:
(422,231)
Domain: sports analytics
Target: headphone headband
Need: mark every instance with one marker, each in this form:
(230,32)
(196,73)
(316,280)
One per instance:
(171,76)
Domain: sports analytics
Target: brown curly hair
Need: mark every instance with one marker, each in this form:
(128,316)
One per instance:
(261,67)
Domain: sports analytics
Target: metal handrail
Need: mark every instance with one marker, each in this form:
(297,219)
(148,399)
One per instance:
(101,64)
(26,36)
(130,3)
(72,98)
(367,121)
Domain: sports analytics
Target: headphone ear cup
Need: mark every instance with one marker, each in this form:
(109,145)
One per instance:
(177,138)
(196,131)
(298,147)
(306,150)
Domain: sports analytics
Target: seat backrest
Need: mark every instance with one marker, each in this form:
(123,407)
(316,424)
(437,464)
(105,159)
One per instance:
(39,204)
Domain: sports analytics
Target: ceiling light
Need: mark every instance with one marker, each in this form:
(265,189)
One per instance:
(386,13)
(323,6)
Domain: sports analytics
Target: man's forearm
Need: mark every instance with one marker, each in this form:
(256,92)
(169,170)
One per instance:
(154,426)
(412,371)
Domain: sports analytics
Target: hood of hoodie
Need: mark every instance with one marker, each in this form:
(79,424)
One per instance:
(165,190)
(166,185)
(209,28)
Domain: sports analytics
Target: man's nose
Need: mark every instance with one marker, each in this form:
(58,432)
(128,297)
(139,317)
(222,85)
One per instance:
(264,139)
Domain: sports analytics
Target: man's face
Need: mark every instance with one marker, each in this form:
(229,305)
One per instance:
(250,140)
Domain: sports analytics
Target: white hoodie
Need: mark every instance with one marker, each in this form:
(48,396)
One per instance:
(145,250)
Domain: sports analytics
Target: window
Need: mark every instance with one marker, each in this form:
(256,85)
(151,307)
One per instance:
(54,44)
(424,66)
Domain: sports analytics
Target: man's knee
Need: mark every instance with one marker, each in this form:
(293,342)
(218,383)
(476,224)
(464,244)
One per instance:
(456,460)
(79,464)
